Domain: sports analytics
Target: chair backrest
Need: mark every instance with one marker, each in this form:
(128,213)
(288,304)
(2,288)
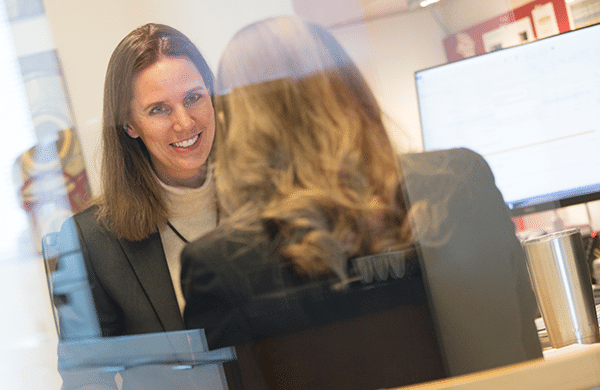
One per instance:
(471,309)
(473,265)
(376,334)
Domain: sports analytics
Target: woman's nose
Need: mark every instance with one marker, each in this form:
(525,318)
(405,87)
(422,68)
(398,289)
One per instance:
(182,119)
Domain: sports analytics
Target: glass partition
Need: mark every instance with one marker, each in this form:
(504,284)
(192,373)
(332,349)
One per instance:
(54,57)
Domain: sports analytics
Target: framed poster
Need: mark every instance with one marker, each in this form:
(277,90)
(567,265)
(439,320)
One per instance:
(534,20)
(583,13)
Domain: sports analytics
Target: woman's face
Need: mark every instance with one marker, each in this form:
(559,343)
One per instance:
(172,112)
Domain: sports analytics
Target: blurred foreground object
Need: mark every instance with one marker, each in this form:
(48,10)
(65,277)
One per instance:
(53,183)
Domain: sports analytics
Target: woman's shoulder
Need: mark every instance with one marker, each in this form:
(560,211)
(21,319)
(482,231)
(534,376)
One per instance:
(87,222)
(87,216)
(88,228)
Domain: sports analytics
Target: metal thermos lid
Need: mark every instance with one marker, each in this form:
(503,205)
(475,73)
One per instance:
(551,236)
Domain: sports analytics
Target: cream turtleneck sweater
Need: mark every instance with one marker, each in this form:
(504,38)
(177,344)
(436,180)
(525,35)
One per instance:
(193,213)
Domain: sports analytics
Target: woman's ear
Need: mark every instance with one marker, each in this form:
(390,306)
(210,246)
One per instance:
(130,131)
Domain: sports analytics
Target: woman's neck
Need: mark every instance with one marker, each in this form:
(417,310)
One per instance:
(194,181)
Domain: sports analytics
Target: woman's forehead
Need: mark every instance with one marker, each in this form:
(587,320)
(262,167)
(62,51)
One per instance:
(167,75)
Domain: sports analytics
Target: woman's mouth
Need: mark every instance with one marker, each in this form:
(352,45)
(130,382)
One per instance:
(188,142)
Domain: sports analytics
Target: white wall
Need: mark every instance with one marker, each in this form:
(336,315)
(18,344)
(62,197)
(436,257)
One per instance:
(86,32)
(401,45)
(406,42)
(387,50)
(390,49)
(459,15)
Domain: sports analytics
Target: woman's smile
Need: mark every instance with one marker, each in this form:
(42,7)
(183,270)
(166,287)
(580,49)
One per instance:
(185,144)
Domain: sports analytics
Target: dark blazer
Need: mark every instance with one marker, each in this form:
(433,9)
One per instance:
(130,281)
(242,292)
(293,332)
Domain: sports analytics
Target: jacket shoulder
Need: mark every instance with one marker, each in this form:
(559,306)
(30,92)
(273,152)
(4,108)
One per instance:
(87,216)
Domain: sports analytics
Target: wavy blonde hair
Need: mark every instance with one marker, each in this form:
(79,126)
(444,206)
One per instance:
(302,151)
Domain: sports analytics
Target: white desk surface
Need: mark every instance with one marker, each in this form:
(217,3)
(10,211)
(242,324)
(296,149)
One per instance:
(576,367)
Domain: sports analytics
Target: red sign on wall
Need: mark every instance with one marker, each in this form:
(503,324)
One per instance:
(531,21)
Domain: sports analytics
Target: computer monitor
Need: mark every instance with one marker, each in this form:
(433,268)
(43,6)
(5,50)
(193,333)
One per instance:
(532,111)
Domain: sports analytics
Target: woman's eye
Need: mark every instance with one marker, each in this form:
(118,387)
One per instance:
(192,98)
(158,110)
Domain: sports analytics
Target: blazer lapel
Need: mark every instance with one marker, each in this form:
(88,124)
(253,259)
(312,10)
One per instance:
(147,258)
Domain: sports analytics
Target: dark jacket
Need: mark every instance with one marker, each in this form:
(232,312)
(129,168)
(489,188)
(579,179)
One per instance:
(130,281)
(293,332)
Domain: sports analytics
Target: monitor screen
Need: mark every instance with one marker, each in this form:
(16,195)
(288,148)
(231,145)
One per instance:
(532,111)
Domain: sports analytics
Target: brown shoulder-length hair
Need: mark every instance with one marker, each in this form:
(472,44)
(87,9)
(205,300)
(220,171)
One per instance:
(303,152)
(131,204)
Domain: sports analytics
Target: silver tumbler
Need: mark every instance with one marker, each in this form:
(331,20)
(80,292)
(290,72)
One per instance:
(563,287)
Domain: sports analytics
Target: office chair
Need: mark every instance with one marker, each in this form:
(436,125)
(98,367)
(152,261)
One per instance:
(466,306)
(376,332)
(473,264)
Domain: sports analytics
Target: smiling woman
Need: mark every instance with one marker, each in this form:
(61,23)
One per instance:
(158,187)
(172,113)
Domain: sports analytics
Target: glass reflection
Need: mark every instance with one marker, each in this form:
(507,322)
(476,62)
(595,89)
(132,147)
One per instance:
(388,42)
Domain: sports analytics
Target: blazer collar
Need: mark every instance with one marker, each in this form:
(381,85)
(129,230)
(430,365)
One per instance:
(148,260)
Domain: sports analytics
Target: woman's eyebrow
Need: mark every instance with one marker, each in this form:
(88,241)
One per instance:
(199,88)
